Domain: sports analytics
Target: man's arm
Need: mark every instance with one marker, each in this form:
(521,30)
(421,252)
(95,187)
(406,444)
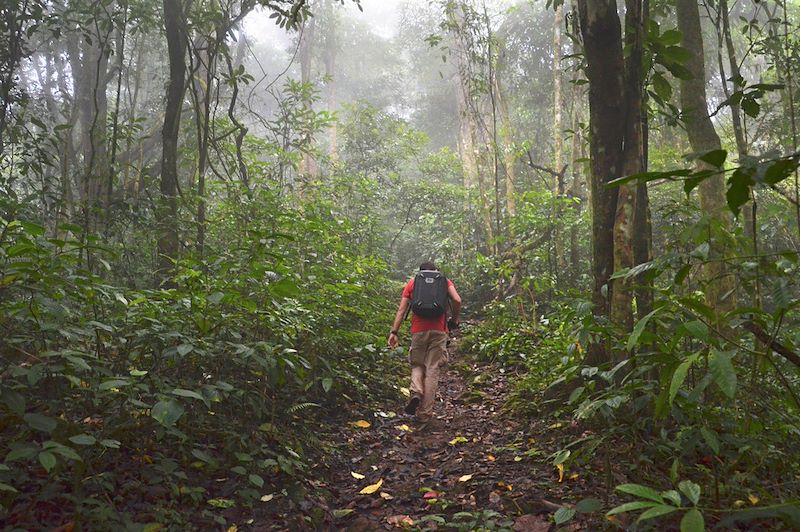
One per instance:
(455,302)
(398,321)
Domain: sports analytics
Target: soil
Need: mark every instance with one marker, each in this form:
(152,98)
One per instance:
(474,465)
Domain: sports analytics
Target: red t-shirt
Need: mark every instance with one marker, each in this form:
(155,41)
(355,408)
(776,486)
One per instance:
(419,324)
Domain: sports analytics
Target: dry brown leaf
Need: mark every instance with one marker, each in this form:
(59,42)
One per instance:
(490,458)
(531,523)
(753,499)
(400,520)
(385,496)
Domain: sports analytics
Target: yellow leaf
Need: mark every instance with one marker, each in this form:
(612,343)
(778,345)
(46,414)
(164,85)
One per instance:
(574,476)
(233,528)
(457,440)
(518,459)
(738,503)
(753,499)
(362,424)
(267,498)
(357,476)
(386,496)
(490,458)
(404,427)
(464,478)
(406,392)
(555,426)
(560,472)
(372,488)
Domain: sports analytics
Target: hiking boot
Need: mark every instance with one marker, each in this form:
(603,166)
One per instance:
(413,404)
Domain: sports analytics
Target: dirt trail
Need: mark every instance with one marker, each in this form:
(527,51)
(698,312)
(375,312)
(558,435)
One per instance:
(471,458)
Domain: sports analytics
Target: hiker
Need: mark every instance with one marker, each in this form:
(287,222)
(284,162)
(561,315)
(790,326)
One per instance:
(426,295)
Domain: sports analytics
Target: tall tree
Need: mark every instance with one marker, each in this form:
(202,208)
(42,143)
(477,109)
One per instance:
(175,25)
(720,288)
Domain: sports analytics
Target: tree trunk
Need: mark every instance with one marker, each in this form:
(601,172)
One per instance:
(720,284)
(601,32)
(168,244)
(507,138)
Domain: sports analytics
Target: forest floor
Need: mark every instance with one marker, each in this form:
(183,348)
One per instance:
(475,465)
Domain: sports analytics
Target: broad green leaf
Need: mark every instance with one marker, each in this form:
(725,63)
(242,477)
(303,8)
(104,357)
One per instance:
(167,413)
(188,393)
(780,170)
(83,439)
(327,384)
(633,340)
(698,329)
(714,157)
(14,401)
(563,515)
(690,489)
(751,107)
(693,521)
(677,53)
(670,37)
(113,383)
(679,376)
(640,491)
(673,496)
(48,460)
(40,422)
(589,505)
(256,480)
(631,506)
(662,87)
(284,288)
(6,487)
(21,453)
(711,439)
(185,349)
(110,444)
(221,503)
(656,511)
(723,371)
(738,192)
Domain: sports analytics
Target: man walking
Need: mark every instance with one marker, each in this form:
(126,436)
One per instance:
(429,325)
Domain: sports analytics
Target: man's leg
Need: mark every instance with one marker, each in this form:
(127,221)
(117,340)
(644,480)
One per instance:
(416,357)
(436,352)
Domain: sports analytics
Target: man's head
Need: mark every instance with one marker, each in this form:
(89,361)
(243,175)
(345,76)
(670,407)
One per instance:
(428,265)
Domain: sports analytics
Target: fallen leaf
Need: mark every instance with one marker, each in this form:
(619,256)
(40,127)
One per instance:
(406,392)
(457,440)
(431,495)
(531,523)
(555,426)
(362,424)
(385,496)
(400,520)
(464,478)
(738,503)
(404,427)
(372,488)
(490,458)
(503,485)
(233,528)
(267,498)
(518,459)
(574,476)
(357,476)
(494,497)
(753,499)
(338,513)
(560,468)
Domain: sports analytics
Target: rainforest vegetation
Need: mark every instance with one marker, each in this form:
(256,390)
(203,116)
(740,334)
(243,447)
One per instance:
(209,209)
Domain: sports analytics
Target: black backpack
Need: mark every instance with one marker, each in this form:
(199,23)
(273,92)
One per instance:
(429,298)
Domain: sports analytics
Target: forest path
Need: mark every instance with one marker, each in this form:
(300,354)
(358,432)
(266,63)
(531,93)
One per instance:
(473,465)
